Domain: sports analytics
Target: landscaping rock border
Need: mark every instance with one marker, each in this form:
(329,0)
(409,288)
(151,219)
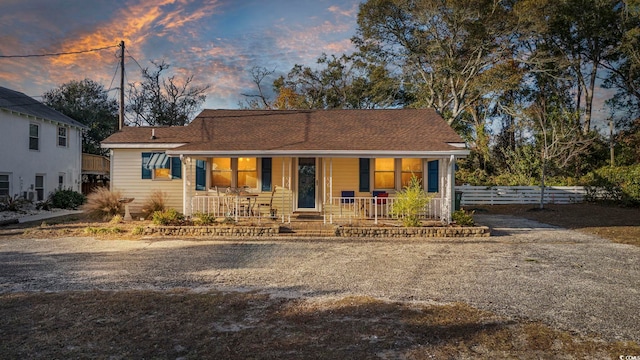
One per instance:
(402,232)
(340,231)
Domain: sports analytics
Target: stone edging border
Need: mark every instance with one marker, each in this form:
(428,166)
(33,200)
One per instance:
(340,231)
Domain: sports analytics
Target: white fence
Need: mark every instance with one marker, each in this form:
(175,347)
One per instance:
(504,195)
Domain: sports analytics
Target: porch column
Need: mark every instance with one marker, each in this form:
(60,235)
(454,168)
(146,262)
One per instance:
(186,173)
(331,188)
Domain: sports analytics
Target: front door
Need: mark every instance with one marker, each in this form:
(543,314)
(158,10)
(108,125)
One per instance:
(306,183)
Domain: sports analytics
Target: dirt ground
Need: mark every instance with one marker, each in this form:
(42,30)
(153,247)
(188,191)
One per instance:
(185,324)
(618,224)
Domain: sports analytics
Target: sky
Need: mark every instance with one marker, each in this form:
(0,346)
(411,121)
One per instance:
(218,42)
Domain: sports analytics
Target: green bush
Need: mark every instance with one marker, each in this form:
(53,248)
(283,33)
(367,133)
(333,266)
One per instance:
(167,217)
(67,199)
(14,204)
(410,203)
(203,219)
(463,218)
(620,184)
(138,230)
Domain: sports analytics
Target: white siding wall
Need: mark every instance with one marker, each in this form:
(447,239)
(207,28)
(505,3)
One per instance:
(126,176)
(50,160)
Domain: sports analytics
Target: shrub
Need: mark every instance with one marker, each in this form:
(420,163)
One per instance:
(464,218)
(167,217)
(620,184)
(138,230)
(410,202)
(67,199)
(14,204)
(103,204)
(154,202)
(116,219)
(203,219)
(102,230)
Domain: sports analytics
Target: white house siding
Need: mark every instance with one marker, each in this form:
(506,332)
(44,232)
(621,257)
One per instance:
(126,176)
(22,165)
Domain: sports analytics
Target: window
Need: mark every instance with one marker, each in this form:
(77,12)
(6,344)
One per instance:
(240,172)
(247,173)
(34,137)
(384,176)
(62,136)
(159,166)
(221,172)
(39,187)
(4,185)
(410,168)
(60,181)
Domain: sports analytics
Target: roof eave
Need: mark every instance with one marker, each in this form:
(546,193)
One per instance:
(321,153)
(140,145)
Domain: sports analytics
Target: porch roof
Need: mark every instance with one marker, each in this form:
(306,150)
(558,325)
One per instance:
(407,132)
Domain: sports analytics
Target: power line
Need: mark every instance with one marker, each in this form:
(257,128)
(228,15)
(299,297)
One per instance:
(58,54)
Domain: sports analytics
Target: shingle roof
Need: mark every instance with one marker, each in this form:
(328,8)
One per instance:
(16,101)
(302,130)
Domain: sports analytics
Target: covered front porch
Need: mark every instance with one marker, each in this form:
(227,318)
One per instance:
(337,189)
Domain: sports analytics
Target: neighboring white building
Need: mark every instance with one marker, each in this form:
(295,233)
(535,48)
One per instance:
(40,148)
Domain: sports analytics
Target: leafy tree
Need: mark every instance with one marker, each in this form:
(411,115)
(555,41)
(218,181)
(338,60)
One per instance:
(164,101)
(583,36)
(441,47)
(87,102)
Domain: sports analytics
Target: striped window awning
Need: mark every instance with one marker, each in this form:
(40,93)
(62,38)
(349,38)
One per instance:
(158,161)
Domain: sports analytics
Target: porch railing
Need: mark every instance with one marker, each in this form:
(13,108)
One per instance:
(228,206)
(373,208)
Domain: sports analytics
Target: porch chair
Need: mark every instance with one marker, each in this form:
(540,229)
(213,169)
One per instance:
(347,197)
(380,194)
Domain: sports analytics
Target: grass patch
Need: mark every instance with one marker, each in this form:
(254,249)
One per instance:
(181,324)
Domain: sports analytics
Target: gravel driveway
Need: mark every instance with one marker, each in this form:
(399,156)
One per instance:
(528,270)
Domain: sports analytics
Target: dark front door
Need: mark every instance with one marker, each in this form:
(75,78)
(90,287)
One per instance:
(307,183)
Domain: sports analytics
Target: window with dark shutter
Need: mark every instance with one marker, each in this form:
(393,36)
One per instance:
(201,175)
(365,173)
(146,171)
(433,174)
(266,174)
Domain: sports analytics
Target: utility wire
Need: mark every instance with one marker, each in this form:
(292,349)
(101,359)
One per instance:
(58,54)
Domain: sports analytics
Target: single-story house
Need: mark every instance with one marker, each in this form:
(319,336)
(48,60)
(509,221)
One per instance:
(341,164)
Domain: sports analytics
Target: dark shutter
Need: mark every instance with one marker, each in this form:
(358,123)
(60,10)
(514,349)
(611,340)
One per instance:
(146,172)
(176,168)
(433,174)
(365,175)
(201,175)
(266,174)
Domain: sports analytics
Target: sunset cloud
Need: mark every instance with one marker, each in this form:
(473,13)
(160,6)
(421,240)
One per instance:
(218,42)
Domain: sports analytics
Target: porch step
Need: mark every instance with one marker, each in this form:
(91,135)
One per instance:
(307,217)
(309,233)
(306,231)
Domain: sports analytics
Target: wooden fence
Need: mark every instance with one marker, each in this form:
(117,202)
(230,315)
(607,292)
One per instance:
(504,195)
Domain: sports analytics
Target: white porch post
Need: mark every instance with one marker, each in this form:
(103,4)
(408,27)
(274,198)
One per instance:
(186,210)
(324,191)
(448,198)
(331,188)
